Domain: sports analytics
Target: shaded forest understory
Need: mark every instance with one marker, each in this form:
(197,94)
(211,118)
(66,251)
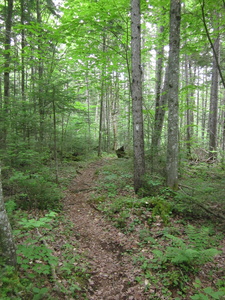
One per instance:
(78,80)
(101,241)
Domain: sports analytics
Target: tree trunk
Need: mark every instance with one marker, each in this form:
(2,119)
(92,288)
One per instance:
(7,245)
(138,136)
(115,109)
(159,109)
(55,137)
(5,112)
(22,11)
(160,113)
(190,81)
(100,137)
(40,79)
(173,119)
(213,111)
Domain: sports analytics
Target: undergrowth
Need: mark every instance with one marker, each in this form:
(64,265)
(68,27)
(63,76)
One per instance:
(174,246)
(178,240)
(49,263)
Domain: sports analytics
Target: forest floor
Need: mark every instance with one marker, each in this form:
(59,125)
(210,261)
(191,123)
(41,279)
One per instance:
(112,271)
(106,243)
(111,251)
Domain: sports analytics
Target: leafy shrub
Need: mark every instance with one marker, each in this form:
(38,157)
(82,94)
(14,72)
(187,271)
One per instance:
(161,208)
(34,191)
(151,186)
(207,293)
(186,256)
(10,283)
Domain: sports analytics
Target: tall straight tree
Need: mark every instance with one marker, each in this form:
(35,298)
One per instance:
(214,103)
(7,58)
(173,88)
(136,92)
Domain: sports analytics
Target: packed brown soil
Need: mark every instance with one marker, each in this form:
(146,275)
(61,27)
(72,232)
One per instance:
(112,271)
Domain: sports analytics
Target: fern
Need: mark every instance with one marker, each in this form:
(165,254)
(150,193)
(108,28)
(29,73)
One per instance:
(182,254)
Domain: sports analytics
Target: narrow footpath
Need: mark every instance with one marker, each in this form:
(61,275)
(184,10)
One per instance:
(105,247)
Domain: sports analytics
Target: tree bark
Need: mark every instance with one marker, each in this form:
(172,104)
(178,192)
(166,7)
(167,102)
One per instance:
(100,137)
(5,111)
(159,115)
(7,245)
(213,112)
(136,91)
(173,118)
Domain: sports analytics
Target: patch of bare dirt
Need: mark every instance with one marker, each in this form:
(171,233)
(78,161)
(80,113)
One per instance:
(106,248)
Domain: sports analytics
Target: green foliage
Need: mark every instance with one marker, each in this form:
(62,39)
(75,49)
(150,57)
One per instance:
(10,206)
(36,261)
(74,269)
(151,186)
(31,255)
(186,256)
(34,191)
(42,222)
(10,284)
(175,259)
(201,187)
(35,258)
(161,208)
(207,293)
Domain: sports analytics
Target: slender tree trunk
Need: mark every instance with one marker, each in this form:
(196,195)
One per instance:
(173,119)
(5,112)
(213,111)
(40,79)
(88,112)
(7,245)
(55,137)
(204,107)
(108,117)
(160,113)
(115,109)
(23,69)
(189,79)
(138,135)
(159,109)
(100,136)
(223,128)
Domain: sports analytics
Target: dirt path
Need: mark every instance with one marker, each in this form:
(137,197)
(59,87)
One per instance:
(113,273)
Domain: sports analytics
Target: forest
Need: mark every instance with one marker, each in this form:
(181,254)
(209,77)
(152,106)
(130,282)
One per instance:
(112,149)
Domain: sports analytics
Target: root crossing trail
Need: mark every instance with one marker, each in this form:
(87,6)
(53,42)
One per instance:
(105,247)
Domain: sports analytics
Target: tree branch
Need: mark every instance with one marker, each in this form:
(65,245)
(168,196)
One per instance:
(210,41)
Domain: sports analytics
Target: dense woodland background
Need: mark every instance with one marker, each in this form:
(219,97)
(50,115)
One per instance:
(66,79)
(66,87)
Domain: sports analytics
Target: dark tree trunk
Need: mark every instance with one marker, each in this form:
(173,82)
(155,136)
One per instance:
(6,106)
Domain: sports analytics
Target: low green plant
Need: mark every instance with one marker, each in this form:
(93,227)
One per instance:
(37,223)
(74,269)
(207,293)
(161,208)
(121,220)
(34,191)
(33,255)
(185,256)
(146,237)
(10,285)
(171,265)
(151,187)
